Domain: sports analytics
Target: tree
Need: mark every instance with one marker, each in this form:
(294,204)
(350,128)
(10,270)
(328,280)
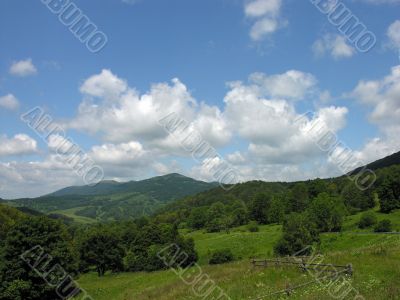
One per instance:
(367,219)
(276,212)
(43,244)
(101,248)
(299,197)
(356,199)
(197,218)
(388,194)
(299,233)
(327,212)
(383,226)
(239,214)
(259,208)
(221,257)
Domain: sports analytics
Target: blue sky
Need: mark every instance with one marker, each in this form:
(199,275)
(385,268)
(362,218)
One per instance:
(301,61)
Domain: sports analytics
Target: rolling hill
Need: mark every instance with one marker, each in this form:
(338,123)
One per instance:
(111,200)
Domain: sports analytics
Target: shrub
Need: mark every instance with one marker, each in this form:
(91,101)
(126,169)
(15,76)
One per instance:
(221,257)
(367,219)
(298,233)
(384,226)
(253,227)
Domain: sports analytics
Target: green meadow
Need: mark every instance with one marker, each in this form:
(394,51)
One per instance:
(375,259)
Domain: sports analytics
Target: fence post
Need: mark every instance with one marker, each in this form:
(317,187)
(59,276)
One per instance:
(350,269)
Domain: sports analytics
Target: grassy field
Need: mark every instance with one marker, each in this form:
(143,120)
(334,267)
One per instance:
(375,259)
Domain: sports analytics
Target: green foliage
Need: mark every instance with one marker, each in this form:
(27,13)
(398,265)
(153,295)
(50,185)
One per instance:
(221,257)
(102,249)
(198,218)
(109,200)
(8,217)
(253,226)
(44,243)
(383,226)
(367,219)
(298,197)
(355,199)
(151,239)
(389,190)
(299,233)
(259,208)
(327,212)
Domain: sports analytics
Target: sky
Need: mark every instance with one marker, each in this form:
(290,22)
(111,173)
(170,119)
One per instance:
(239,73)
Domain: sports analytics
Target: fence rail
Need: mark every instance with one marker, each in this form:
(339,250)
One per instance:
(303,264)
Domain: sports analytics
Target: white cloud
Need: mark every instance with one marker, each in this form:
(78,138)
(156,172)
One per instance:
(393,33)
(266,17)
(383,97)
(9,102)
(23,68)
(270,124)
(18,145)
(260,115)
(104,85)
(131,116)
(335,45)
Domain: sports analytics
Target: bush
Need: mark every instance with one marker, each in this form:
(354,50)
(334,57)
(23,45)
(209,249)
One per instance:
(367,219)
(221,257)
(384,226)
(298,234)
(253,227)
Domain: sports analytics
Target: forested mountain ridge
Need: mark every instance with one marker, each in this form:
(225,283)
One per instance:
(266,202)
(111,200)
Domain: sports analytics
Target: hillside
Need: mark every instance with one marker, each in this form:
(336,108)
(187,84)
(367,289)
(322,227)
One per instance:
(393,159)
(110,200)
(374,258)
(283,197)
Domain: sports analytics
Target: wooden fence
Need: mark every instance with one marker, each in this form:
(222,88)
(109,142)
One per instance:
(302,262)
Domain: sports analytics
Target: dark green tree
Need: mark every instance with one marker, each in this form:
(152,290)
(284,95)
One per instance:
(327,212)
(299,197)
(259,208)
(367,219)
(35,243)
(299,233)
(102,249)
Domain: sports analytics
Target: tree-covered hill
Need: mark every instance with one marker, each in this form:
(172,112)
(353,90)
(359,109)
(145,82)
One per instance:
(110,200)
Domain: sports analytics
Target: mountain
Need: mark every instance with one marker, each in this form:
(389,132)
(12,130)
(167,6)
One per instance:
(111,200)
(103,187)
(285,192)
(385,162)
(163,188)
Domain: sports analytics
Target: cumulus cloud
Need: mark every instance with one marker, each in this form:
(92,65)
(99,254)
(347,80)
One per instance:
(9,102)
(393,33)
(335,45)
(23,68)
(131,116)
(265,15)
(382,96)
(18,145)
(260,114)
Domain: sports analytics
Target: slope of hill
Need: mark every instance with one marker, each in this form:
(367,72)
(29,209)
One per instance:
(385,162)
(285,193)
(374,258)
(103,187)
(111,200)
